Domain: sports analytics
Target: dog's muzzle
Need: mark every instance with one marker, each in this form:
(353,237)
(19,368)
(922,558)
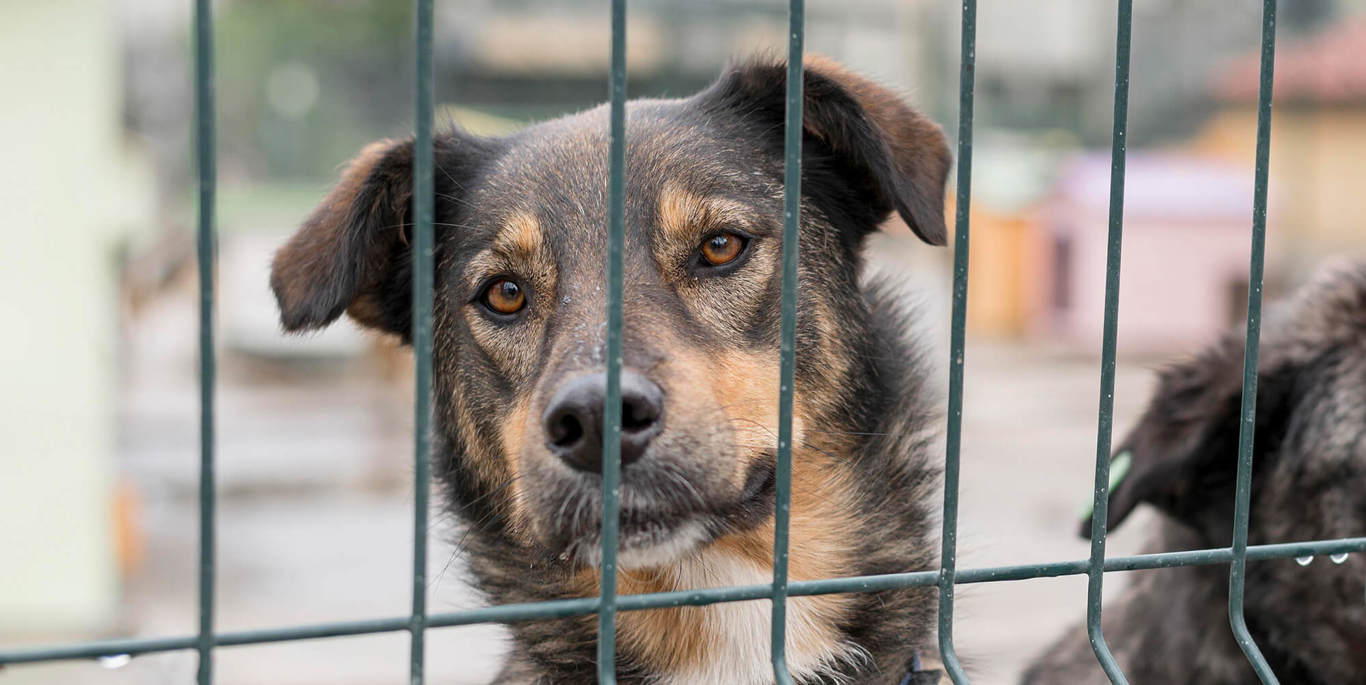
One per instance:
(573,419)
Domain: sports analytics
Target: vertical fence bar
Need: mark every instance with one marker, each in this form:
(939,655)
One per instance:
(1248,423)
(792,212)
(948,556)
(611,415)
(423,263)
(205,143)
(1105,425)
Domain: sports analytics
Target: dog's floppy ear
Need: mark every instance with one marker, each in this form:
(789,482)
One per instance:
(866,152)
(1182,456)
(353,253)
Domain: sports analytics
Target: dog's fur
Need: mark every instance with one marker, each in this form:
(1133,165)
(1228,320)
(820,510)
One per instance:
(1309,482)
(697,507)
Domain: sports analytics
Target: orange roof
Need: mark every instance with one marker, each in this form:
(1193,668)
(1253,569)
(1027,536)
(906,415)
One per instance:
(1328,66)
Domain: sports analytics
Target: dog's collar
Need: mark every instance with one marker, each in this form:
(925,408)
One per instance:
(917,674)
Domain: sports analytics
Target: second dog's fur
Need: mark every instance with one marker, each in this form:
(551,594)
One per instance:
(1309,483)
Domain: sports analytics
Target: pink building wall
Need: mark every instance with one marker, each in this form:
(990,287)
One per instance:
(1187,234)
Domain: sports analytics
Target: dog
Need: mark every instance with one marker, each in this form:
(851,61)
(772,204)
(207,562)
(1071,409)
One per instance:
(1308,483)
(519,370)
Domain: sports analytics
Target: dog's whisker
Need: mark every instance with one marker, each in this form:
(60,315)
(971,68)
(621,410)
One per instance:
(835,432)
(459,545)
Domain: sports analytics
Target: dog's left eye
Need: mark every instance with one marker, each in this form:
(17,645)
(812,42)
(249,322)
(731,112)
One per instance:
(504,297)
(722,248)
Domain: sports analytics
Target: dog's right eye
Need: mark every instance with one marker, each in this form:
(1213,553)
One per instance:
(504,296)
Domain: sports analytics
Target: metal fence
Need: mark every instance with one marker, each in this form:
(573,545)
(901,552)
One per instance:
(609,602)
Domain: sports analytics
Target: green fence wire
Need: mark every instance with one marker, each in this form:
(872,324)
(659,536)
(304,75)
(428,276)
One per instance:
(423,263)
(1248,425)
(608,603)
(948,556)
(206,164)
(611,415)
(792,212)
(1105,422)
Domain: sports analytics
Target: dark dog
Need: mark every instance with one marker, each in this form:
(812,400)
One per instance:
(1309,482)
(519,381)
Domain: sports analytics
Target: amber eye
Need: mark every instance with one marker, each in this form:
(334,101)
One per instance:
(504,297)
(722,248)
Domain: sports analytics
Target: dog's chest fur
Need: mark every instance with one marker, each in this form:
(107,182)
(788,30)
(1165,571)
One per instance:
(730,642)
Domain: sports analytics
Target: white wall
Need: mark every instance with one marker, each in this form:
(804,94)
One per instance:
(64,195)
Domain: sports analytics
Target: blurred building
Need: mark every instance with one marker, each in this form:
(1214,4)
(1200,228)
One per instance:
(1185,253)
(1040,204)
(1045,66)
(1318,135)
(533,59)
(1011,176)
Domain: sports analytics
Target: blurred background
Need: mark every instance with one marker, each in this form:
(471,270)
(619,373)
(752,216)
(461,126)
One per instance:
(98,402)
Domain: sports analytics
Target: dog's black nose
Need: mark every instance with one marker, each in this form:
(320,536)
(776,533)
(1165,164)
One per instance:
(573,419)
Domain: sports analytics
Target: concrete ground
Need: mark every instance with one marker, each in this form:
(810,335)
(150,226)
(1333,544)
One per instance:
(315,513)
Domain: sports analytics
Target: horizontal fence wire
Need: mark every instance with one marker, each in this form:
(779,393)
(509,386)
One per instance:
(424,199)
(1252,345)
(792,207)
(512,613)
(207,172)
(1105,422)
(948,555)
(946,578)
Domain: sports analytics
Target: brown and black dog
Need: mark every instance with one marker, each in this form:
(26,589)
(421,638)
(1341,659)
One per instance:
(519,370)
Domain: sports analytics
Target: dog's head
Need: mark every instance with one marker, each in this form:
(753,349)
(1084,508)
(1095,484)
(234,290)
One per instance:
(521,296)
(1309,460)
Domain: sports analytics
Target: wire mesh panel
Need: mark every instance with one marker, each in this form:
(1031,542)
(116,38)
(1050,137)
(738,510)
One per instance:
(606,605)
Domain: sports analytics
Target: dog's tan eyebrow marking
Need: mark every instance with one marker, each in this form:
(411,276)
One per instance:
(685,216)
(518,247)
(520,236)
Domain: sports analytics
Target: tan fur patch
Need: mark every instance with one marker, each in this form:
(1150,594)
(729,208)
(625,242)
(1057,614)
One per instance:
(521,235)
(743,388)
(830,359)
(746,388)
(519,251)
(729,642)
(685,217)
(514,440)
